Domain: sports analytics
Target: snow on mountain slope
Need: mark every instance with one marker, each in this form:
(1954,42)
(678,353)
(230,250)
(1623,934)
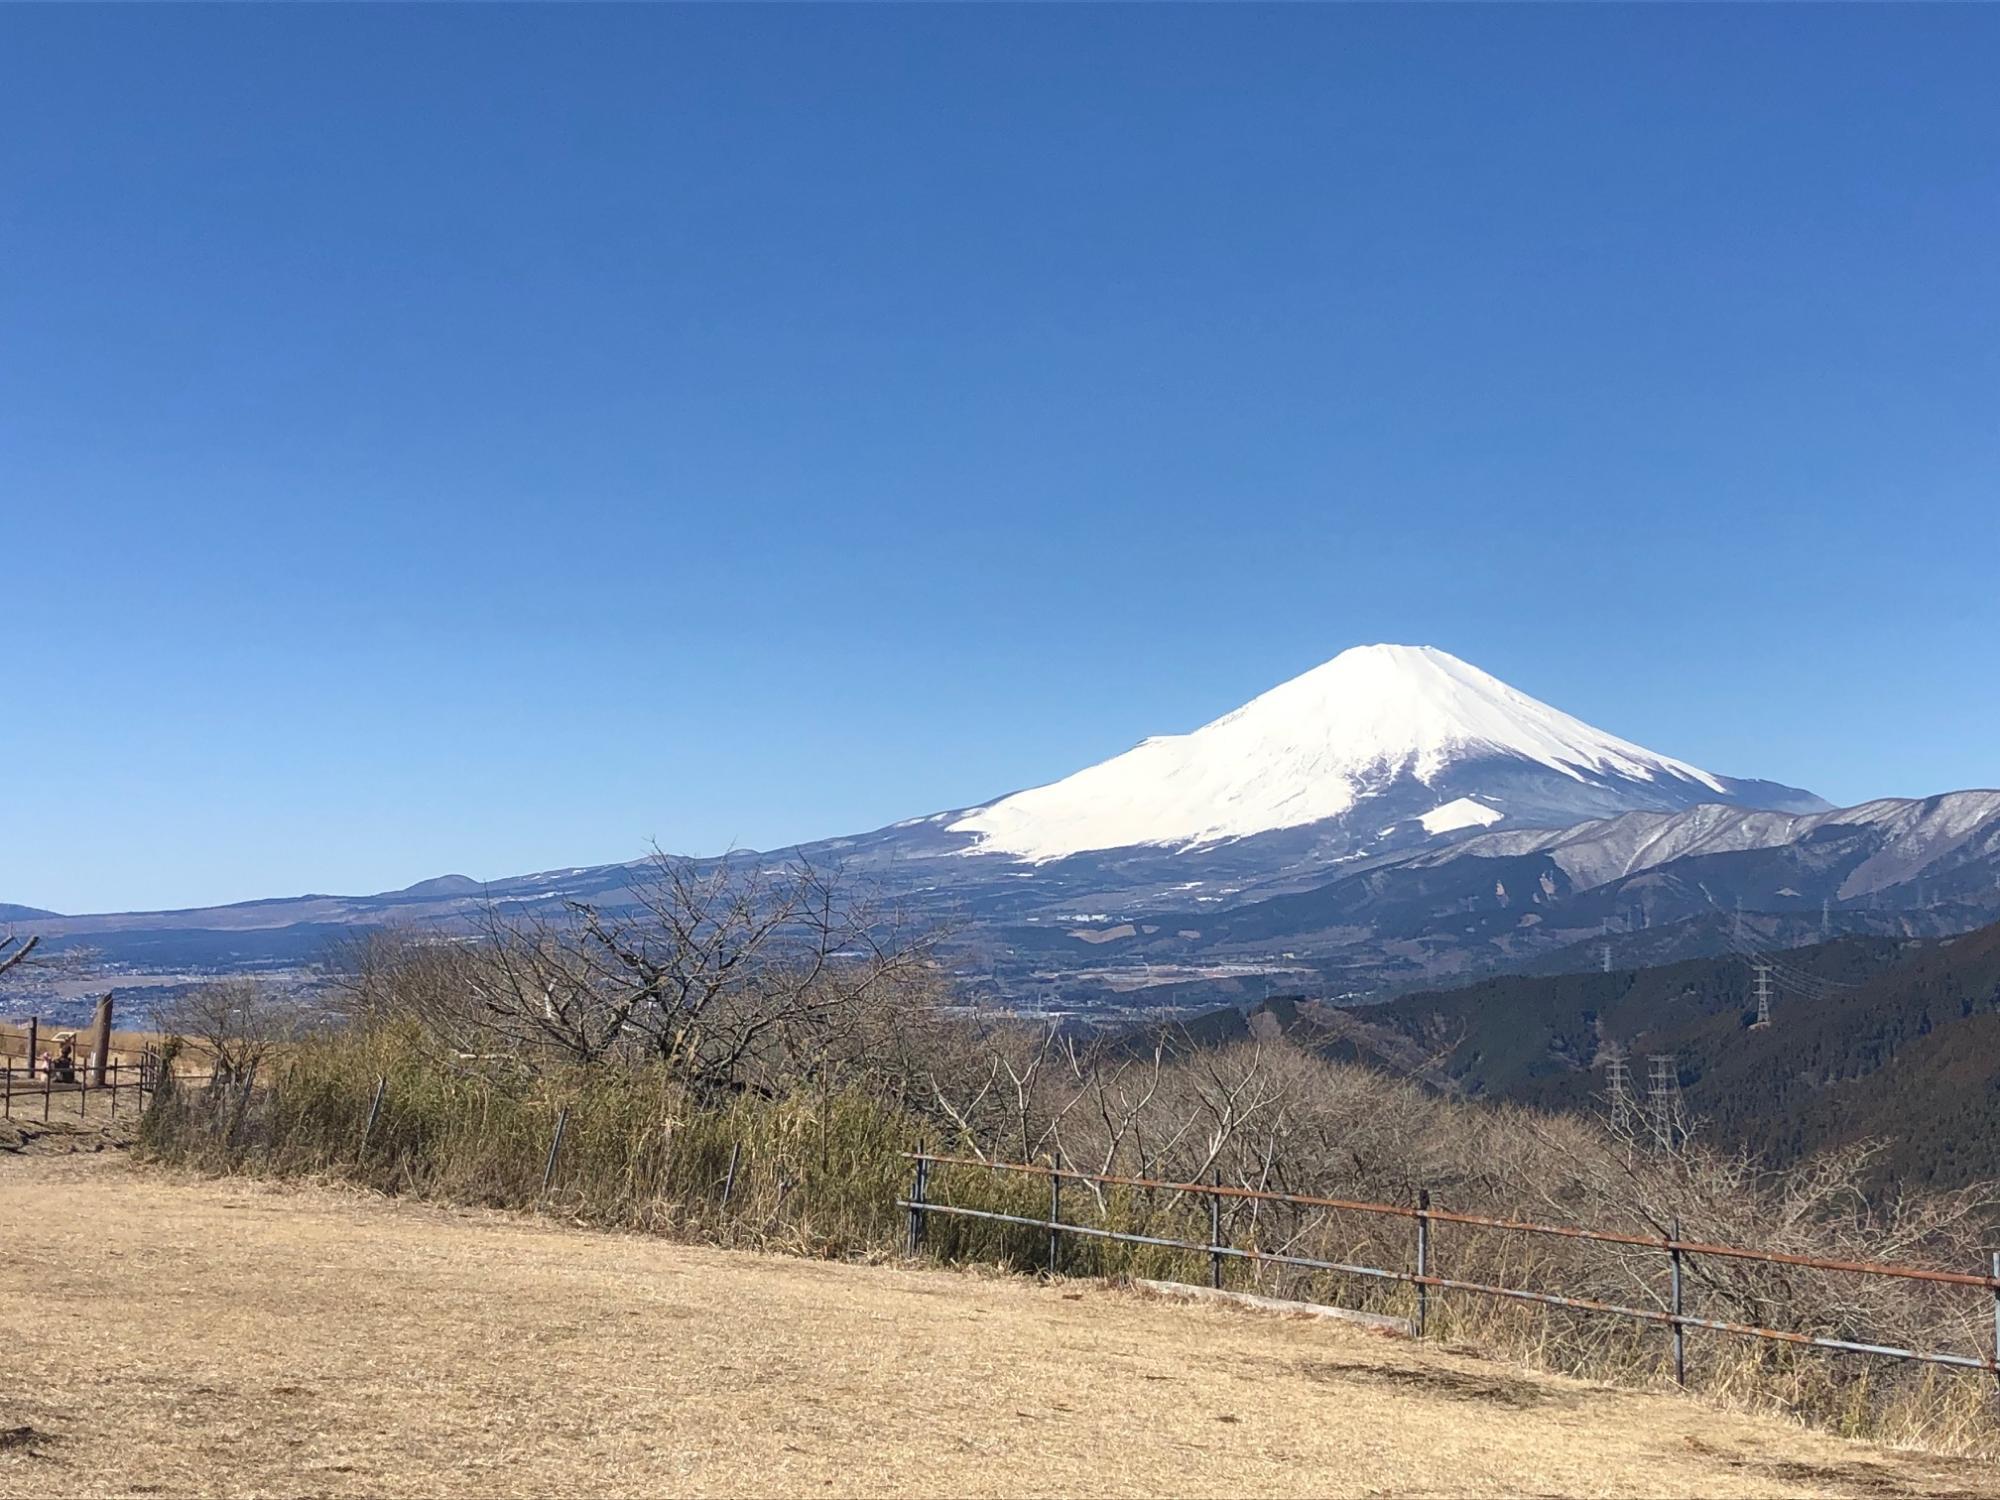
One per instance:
(1312,749)
(1916,833)
(1466,812)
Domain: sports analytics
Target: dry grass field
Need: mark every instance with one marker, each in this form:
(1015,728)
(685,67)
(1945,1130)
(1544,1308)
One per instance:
(198,1337)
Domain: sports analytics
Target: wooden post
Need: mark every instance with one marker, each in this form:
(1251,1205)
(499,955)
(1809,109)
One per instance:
(34,1029)
(101,1040)
(10,1090)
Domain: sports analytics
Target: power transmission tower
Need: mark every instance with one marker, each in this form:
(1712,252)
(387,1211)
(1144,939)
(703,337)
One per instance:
(1825,918)
(1763,994)
(1663,1102)
(1618,1093)
(1607,958)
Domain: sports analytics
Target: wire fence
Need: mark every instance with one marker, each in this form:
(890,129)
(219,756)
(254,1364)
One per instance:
(1422,1274)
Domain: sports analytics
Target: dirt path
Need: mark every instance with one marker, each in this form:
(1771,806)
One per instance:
(191,1337)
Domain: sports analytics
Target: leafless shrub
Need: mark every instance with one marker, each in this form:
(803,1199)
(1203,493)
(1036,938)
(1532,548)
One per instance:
(238,1023)
(735,975)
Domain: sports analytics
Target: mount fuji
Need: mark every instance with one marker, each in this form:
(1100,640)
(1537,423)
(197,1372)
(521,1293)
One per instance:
(1383,746)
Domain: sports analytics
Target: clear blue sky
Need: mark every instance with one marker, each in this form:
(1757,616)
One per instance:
(476,439)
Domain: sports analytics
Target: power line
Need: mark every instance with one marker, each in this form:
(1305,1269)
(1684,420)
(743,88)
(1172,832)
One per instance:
(1787,977)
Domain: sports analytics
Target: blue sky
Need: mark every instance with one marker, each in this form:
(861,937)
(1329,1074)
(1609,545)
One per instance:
(478,439)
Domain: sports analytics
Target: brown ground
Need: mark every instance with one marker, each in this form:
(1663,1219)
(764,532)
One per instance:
(78,1120)
(193,1337)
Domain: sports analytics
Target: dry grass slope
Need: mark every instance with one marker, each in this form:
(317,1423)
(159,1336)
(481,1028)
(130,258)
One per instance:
(193,1336)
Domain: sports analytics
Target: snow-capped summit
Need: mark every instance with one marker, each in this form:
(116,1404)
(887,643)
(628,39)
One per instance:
(1407,735)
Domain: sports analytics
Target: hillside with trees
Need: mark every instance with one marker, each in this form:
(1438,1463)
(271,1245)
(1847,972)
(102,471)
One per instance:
(1869,1039)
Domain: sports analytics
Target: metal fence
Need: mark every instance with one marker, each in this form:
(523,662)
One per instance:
(20,1086)
(1422,1275)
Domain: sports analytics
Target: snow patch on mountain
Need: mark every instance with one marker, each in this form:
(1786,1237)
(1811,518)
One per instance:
(1308,750)
(1466,812)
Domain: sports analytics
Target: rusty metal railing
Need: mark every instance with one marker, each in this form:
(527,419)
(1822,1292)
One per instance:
(1424,1279)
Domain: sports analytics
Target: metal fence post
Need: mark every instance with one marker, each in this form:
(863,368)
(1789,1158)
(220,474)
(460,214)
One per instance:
(917,1185)
(1996,1309)
(1215,1236)
(374,1111)
(1680,1328)
(729,1179)
(555,1147)
(1055,1218)
(1423,1259)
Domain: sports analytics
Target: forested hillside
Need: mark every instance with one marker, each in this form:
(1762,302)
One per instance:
(1868,1038)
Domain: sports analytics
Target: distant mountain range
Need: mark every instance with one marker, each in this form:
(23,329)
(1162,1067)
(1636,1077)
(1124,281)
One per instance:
(1644,885)
(1391,817)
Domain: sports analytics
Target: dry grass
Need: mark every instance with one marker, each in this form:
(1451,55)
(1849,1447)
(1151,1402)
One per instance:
(821,1167)
(199,1337)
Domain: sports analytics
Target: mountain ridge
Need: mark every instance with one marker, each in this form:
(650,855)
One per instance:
(1392,817)
(1373,721)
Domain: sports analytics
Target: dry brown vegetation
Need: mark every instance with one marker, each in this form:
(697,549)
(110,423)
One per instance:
(697,1034)
(194,1336)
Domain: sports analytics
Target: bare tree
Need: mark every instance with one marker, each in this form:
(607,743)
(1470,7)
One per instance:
(238,1022)
(14,950)
(736,974)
